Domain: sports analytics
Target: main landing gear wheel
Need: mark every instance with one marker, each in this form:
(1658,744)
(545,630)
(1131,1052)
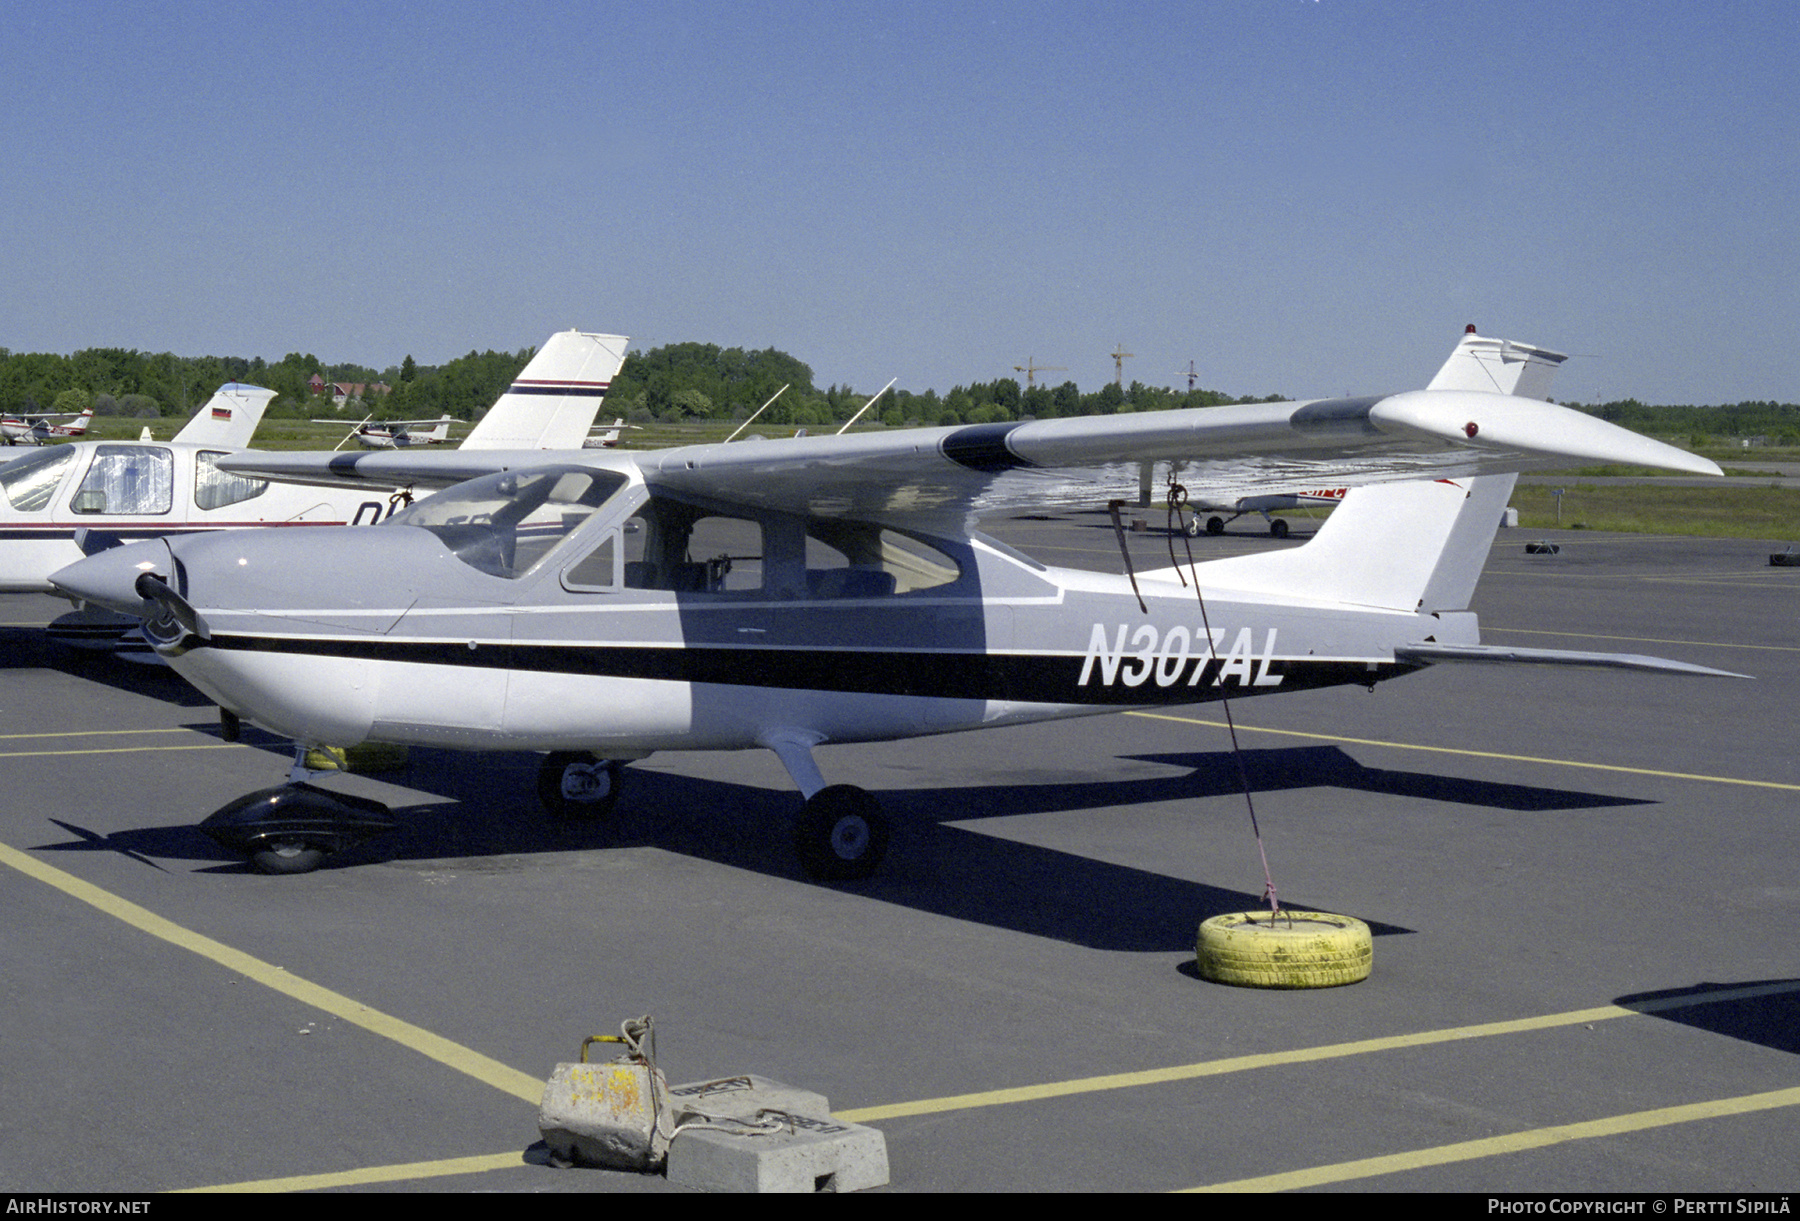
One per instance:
(1278,528)
(841,834)
(286,856)
(1215,525)
(1292,950)
(578,786)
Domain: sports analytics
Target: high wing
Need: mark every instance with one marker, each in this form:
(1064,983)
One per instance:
(980,468)
(401,425)
(1276,447)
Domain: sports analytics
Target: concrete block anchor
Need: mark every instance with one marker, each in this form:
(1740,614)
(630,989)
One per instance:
(762,1136)
(740,1134)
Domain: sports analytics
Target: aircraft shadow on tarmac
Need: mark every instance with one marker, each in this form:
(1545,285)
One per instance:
(489,810)
(1303,767)
(31,649)
(1771,1021)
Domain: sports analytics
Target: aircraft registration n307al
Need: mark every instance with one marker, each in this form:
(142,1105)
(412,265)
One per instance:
(602,605)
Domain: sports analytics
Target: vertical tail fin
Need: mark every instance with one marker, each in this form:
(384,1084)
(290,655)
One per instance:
(229,418)
(1417,546)
(1498,366)
(551,404)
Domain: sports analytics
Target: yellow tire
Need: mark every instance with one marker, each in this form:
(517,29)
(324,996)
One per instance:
(1294,950)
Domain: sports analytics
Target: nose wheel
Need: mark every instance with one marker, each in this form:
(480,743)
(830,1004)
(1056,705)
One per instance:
(287,856)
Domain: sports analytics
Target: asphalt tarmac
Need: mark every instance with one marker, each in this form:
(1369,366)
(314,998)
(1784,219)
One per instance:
(1583,885)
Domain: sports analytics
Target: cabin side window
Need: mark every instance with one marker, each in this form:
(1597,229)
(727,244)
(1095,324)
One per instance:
(215,489)
(127,479)
(875,561)
(686,549)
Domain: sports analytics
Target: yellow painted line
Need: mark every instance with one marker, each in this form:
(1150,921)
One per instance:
(1517,1142)
(1709,644)
(501,1161)
(416,1038)
(87,733)
(1300,1055)
(479,1164)
(1477,754)
(119,750)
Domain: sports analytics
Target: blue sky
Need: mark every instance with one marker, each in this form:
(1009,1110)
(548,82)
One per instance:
(1302,197)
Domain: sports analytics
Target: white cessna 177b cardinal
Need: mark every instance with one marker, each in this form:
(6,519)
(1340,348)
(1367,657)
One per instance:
(113,491)
(602,605)
(371,433)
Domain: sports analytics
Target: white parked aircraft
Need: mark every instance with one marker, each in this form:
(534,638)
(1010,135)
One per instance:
(602,605)
(371,433)
(607,436)
(37,429)
(111,491)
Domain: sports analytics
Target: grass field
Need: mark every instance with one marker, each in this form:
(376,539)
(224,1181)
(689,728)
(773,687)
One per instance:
(1647,508)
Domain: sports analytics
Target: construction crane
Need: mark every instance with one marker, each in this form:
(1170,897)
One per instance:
(1119,357)
(1190,373)
(1031,369)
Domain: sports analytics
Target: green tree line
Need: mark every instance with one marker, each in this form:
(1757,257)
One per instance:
(116,381)
(676,382)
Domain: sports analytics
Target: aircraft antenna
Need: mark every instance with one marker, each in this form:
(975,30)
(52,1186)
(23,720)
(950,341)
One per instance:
(754,414)
(853,419)
(1120,356)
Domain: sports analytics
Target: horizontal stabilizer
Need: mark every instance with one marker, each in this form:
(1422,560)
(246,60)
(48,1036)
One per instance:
(1434,653)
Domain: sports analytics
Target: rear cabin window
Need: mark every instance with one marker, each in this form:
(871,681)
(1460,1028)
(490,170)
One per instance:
(215,489)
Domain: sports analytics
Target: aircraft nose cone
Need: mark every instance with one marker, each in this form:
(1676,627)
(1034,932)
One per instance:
(109,578)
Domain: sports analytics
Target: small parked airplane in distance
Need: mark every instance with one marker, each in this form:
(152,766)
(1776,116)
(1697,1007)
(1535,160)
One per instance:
(602,605)
(37,429)
(371,433)
(606,437)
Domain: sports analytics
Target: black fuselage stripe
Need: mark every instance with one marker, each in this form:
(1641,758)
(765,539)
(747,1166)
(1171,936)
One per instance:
(590,390)
(1015,677)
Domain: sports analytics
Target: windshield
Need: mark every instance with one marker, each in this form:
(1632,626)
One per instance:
(505,524)
(29,482)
